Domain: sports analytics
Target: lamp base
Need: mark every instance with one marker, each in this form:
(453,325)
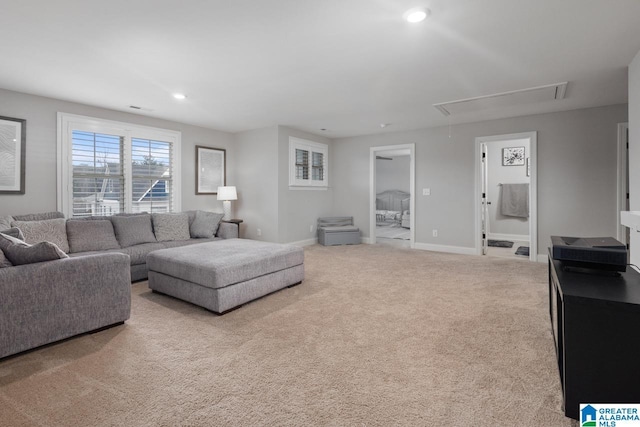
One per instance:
(226,209)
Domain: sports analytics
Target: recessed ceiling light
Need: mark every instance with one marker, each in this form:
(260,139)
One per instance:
(417,14)
(179,96)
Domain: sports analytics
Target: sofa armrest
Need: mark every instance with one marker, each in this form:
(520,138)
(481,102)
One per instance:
(49,301)
(227,230)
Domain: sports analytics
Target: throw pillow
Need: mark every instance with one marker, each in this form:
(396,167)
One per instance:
(49,230)
(205,224)
(13,232)
(4,262)
(38,216)
(171,226)
(19,252)
(133,230)
(95,235)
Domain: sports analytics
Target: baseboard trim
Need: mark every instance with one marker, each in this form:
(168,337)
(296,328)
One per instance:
(366,240)
(500,236)
(445,248)
(542,258)
(307,242)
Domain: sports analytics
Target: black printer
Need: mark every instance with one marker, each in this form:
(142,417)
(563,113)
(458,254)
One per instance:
(598,253)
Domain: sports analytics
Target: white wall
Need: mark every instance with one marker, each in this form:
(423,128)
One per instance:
(634,151)
(41,175)
(393,174)
(576,174)
(499,174)
(257,183)
(299,210)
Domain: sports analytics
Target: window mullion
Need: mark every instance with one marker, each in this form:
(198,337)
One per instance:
(128,172)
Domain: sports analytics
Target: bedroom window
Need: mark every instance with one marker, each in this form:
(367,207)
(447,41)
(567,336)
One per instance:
(106,167)
(308,164)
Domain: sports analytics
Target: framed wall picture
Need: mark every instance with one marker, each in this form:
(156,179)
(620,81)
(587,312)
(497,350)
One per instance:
(13,140)
(513,156)
(211,169)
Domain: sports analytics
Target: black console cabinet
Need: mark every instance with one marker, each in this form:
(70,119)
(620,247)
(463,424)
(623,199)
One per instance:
(596,327)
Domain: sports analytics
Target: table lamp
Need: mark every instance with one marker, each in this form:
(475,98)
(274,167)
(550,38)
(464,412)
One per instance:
(226,194)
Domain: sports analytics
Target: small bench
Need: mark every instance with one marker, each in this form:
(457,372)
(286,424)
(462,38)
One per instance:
(224,275)
(338,230)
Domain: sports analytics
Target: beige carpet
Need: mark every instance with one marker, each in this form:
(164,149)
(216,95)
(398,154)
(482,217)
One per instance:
(375,336)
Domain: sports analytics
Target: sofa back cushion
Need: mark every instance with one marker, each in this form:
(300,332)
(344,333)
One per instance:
(133,230)
(48,230)
(38,216)
(19,252)
(96,235)
(171,226)
(205,224)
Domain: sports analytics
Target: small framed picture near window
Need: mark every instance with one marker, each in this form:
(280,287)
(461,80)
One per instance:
(211,169)
(13,140)
(513,156)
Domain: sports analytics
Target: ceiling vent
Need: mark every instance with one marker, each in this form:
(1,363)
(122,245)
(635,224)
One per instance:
(504,99)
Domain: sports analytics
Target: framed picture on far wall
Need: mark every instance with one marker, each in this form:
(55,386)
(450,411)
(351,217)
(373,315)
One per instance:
(513,156)
(211,169)
(12,155)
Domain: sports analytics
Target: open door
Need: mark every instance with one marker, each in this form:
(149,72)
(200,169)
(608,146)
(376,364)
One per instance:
(484,215)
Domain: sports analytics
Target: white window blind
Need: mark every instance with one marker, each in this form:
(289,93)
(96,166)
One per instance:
(308,164)
(152,176)
(98,178)
(109,167)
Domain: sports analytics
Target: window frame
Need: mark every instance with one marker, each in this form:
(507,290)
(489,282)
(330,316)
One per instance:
(67,123)
(312,147)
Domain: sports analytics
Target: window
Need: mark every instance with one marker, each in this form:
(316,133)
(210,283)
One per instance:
(308,164)
(109,167)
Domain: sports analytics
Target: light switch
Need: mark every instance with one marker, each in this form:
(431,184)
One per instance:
(426,191)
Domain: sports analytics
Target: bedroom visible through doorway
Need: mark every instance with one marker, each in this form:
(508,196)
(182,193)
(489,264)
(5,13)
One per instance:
(391,196)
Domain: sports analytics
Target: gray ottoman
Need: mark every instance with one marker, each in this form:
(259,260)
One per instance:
(223,275)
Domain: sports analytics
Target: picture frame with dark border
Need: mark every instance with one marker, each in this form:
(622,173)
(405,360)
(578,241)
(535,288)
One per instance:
(513,156)
(211,169)
(13,149)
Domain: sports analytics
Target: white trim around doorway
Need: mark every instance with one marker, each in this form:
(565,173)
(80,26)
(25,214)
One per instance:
(622,180)
(533,189)
(372,189)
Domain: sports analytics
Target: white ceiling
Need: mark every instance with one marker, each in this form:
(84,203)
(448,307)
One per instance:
(343,65)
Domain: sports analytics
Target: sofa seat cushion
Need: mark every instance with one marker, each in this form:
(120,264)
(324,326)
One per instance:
(227,262)
(85,236)
(133,230)
(138,253)
(47,230)
(178,243)
(340,229)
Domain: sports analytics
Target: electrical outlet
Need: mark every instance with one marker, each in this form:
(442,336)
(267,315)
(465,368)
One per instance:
(426,191)
(311,228)
(435,233)
(259,232)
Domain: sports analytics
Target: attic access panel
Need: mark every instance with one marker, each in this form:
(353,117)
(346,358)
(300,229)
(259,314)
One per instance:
(504,99)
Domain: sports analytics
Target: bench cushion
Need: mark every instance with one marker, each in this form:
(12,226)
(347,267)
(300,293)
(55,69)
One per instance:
(223,263)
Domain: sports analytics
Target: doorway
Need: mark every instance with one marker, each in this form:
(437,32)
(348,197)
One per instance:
(391,195)
(506,196)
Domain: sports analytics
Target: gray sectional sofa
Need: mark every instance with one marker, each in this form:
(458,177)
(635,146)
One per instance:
(78,278)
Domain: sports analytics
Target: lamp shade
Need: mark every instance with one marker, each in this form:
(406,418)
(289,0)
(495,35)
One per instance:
(227,193)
